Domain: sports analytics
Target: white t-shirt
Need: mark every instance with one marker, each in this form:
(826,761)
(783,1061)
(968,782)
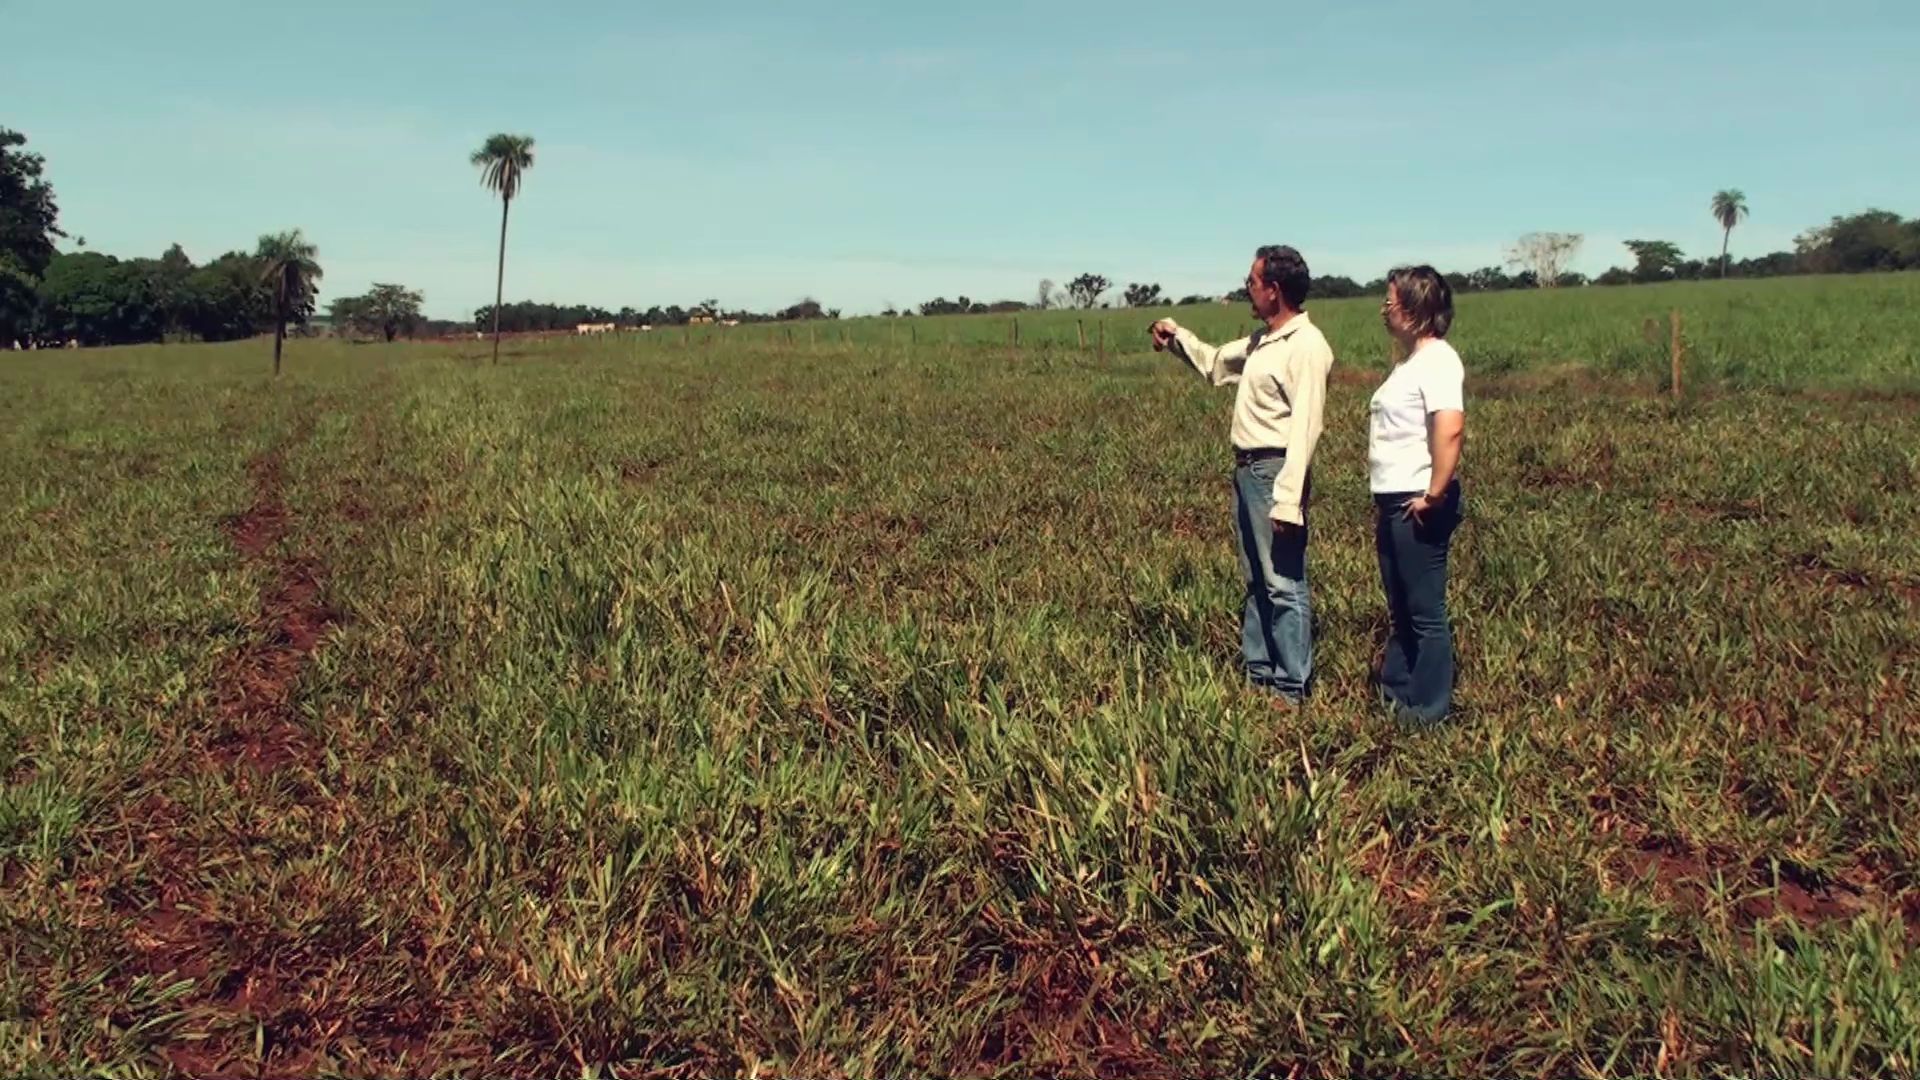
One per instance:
(1399,454)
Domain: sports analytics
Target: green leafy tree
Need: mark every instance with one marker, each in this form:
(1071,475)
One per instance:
(1140,295)
(96,299)
(503,161)
(1337,287)
(1654,260)
(349,315)
(1866,241)
(290,266)
(393,310)
(1729,209)
(940,305)
(1488,279)
(167,277)
(527,315)
(807,308)
(18,300)
(29,225)
(226,300)
(1086,289)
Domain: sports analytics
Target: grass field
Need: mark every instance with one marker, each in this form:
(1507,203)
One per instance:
(1827,332)
(641,709)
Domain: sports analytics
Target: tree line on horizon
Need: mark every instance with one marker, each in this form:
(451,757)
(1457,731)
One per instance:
(52,297)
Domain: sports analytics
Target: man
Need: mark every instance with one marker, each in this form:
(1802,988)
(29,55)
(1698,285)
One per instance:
(1282,375)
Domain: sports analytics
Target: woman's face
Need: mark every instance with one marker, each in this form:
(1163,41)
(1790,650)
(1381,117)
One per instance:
(1393,315)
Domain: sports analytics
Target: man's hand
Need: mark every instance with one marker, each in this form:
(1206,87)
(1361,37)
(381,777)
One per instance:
(1417,507)
(1162,332)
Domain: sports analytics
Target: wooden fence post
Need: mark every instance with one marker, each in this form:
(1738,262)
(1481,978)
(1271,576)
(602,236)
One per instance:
(1103,341)
(1679,353)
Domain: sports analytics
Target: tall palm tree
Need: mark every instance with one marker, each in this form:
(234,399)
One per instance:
(503,161)
(1729,209)
(291,266)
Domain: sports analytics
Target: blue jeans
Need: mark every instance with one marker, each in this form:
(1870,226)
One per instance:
(1417,672)
(1276,632)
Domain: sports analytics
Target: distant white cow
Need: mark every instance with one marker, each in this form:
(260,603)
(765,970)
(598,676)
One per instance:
(594,328)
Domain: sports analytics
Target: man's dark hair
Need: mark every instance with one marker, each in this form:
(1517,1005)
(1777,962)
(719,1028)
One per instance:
(1282,268)
(1425,297)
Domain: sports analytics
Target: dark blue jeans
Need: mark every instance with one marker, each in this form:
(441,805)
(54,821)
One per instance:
(1276,621)
(1417,673)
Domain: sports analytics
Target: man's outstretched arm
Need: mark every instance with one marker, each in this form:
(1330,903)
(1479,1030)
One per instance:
(1221,364)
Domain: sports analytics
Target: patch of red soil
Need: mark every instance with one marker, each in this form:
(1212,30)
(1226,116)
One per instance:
(1834,576)
(1690,878)
(260,1005)
(254,693)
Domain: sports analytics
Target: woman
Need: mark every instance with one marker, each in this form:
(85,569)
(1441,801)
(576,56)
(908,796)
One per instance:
(1413,451)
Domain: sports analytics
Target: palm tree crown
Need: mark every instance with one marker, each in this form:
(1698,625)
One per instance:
(288,259)
(1730,207)
(502,160)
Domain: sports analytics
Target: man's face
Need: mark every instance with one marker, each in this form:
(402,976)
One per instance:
(1264,298)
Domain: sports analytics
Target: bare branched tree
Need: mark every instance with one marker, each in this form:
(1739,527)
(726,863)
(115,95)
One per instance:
(1545,254)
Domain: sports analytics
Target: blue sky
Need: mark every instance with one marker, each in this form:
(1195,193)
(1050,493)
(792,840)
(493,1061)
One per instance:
(867,153)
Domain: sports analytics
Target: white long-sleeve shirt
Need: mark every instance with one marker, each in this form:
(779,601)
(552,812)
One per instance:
(1282,377)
